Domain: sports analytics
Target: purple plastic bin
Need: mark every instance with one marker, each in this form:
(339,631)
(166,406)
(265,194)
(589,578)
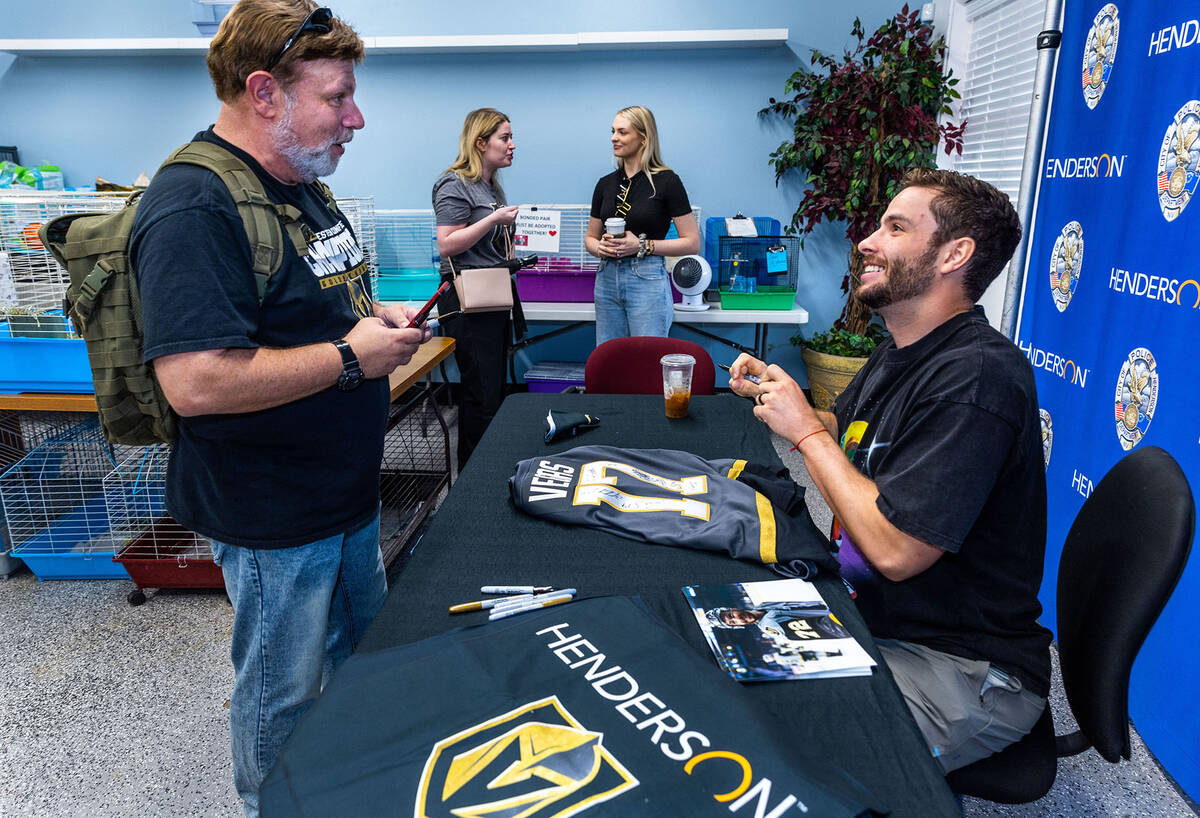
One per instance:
(556,279)
(554,376)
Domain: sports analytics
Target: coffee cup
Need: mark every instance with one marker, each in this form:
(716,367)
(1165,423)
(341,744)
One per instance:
(615,226)
(677,383)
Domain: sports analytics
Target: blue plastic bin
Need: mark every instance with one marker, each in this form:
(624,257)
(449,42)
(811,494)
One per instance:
(409,284)
(44,365)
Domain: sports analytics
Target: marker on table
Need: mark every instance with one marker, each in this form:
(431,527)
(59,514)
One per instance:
(565,593)
(534,606)
(746,377)
(483,604)
(515,589)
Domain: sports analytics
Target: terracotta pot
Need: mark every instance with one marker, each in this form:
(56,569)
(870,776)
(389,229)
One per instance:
(828,375)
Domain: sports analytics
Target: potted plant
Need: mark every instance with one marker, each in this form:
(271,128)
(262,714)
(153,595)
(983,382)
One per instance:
(859,122)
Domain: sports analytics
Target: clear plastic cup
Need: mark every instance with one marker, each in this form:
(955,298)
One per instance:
(677,383)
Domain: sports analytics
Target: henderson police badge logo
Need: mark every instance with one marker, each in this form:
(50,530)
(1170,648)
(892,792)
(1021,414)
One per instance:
(1047,435)
(1177,172)
(536,761)
(1137,395)
(1099,52)
(1066,263)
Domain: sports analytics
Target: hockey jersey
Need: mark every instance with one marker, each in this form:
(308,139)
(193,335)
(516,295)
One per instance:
(668,497)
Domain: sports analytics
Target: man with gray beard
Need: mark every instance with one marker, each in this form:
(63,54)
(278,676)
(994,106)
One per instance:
(282,390)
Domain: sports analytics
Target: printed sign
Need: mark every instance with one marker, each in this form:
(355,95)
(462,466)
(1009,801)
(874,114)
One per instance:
(740,226)
(537,230)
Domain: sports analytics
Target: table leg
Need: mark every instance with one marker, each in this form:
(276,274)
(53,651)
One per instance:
(726,341)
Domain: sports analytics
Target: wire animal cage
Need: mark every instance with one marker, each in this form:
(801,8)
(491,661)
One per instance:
(758,272)
(569,274)
(20,432)
(55,502)
(407,254)
(416,468)
(38,282)
(360,211)
(155,549)
(34,283)
(39,349)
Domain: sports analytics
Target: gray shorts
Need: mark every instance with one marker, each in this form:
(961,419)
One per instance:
(966,708)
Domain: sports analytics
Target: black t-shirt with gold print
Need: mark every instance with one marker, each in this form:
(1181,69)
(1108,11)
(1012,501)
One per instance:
(294,473)
(644,210)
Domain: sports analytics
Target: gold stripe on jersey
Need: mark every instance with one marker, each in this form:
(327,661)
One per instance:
(736,469)
(766,529)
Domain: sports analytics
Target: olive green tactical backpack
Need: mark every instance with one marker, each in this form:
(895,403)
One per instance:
(103,301)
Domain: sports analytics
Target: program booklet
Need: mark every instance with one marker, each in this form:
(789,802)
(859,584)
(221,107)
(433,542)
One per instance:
(779,629)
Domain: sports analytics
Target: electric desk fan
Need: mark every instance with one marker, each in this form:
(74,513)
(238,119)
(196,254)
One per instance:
(691,275)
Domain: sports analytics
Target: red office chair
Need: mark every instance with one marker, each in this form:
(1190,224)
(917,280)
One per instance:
(630,366)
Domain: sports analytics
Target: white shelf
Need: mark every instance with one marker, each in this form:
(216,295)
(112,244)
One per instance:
(122,46)
(440,44)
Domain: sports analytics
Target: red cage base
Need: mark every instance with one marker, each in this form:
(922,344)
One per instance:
(166,557)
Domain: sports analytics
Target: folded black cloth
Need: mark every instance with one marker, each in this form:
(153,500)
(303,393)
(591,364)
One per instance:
(535,715)
(562,423)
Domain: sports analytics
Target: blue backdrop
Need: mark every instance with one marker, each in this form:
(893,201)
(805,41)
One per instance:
(1110,304)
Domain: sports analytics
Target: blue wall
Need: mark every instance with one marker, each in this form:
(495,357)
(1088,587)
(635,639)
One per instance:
(119,116)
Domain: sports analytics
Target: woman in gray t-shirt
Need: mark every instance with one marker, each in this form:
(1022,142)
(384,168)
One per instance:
(474,228)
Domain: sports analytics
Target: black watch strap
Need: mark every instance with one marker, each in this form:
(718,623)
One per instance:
(352,374)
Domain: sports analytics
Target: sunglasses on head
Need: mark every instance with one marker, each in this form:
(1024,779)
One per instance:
(318,20)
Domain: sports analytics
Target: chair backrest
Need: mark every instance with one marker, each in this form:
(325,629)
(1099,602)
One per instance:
(1122,557)
(630,366)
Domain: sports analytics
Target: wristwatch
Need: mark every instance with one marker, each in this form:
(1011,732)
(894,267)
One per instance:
(641,253)
(352,374)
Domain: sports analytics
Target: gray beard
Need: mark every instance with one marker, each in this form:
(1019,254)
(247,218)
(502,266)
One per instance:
(308,163)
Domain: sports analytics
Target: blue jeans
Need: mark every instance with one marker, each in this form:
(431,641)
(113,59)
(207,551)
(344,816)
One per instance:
(633,297)
(297,614)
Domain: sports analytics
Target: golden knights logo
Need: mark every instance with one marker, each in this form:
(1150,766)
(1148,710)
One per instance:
(536,761)
(1047,435)
(1137,395)
(1099,52)
(1066,263)
(1177,173)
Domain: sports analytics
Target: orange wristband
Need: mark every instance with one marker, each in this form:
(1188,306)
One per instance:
(796,448)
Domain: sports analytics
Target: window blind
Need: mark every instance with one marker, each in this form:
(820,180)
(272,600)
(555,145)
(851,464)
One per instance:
(997,88)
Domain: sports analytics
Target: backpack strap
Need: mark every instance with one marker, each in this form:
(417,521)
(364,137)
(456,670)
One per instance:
(327,195)
(264,220)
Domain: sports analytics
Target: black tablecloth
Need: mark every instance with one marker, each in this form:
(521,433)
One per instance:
(479,538)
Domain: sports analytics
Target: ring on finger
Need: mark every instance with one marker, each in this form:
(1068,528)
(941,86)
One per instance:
(758,399)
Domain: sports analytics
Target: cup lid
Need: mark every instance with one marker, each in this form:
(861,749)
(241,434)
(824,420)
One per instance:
(677,359)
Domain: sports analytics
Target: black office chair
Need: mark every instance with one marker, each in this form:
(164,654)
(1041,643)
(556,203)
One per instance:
(1123,555)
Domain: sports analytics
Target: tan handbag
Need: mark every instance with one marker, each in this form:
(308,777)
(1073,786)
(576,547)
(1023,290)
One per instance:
(487,289)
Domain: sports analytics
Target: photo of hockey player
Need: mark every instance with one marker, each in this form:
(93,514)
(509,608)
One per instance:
(782,620)
(758,639)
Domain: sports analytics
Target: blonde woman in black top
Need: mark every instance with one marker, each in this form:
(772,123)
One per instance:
(633,294)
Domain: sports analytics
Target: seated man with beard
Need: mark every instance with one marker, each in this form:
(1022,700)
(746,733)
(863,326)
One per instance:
(932,465)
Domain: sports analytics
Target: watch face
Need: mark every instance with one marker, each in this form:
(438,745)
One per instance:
(350,380)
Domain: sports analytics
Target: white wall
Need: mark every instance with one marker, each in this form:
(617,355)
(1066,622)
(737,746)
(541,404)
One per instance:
(118,116)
